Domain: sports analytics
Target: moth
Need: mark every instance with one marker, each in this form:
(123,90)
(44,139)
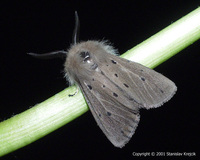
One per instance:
(114,88)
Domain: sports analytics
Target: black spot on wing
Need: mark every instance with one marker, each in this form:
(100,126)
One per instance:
(115,94)
(108,113)
(126,85)
(142,78)
(114,62)
(89,86)
(125,135)
(102,73)
(94,66)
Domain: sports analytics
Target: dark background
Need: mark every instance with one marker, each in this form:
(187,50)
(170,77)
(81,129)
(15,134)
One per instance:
(42,27)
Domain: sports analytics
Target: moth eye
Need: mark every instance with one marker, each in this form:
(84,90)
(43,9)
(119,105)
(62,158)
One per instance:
(85,56)
(116,75)
(114,62)
(103,86)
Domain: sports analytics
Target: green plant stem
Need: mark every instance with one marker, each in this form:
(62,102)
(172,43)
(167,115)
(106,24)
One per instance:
(40,120)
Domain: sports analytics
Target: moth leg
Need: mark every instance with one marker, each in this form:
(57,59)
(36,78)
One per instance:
(71,95)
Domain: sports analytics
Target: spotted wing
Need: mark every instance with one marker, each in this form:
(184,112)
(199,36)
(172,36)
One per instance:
(116,120)
(143,85)
(116,91)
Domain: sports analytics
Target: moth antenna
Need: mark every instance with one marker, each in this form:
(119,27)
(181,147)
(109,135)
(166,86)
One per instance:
(61,54)
(56,54)
(75,36)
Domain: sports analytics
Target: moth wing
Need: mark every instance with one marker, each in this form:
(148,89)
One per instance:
(141,84)
(117,89)
(117,121)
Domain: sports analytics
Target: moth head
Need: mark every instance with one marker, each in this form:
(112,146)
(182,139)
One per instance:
(83,59)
